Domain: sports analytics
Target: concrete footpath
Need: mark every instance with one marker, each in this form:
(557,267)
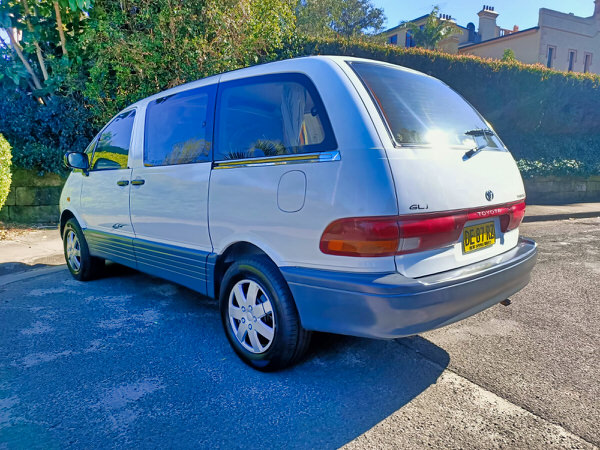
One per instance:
(541,213)
(25,249)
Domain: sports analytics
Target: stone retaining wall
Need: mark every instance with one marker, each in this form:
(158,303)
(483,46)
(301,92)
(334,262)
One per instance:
(556,190)
(32,198)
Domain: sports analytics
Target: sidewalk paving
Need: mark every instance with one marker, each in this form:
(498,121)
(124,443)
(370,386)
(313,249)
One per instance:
(539,213)
(27,249)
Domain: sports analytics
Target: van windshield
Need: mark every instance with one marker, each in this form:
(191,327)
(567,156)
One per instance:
(421,110)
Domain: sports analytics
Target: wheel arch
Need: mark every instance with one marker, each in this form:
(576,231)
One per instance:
(64,218)
(67,214)
(233,252)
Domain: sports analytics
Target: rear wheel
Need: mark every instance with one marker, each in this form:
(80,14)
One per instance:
(259,315)
(81,264)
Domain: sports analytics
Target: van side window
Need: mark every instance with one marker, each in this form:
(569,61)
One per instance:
(89,151)
(113,144)
(179,128)
(271,115)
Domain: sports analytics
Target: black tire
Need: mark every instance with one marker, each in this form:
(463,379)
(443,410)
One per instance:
(290,341)
(90,267)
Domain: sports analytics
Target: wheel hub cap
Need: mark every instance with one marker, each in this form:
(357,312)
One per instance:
(73,250)
(251,316)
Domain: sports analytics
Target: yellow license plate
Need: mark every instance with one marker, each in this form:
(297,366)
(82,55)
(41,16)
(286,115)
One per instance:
(479,236)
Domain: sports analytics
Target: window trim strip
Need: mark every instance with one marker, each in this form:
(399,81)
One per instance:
(280,160)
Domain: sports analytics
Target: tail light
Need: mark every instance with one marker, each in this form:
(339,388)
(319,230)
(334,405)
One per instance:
(517,212)
(399,235)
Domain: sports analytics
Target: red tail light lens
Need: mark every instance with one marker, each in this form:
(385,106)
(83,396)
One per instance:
(398,235)
(429,232)
(517,212)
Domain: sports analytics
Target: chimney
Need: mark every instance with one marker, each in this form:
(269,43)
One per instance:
(597,9)
(487,22)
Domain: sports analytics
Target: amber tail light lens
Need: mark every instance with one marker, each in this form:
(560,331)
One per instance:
(361,236)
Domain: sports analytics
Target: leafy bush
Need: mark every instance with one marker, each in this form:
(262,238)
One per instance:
(41,135)
(130,54)
(5,175)
(548,119)
(120,52)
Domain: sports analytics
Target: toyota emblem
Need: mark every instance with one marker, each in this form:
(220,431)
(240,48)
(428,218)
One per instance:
(489,196)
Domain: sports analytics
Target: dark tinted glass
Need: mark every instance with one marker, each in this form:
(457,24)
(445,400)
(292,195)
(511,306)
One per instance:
(419,109)
(269,116)
(179,128)
(113,144)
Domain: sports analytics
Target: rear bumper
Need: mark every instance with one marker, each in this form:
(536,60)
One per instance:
(389,305)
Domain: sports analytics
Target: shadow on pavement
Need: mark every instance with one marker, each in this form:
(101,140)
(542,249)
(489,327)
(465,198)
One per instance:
(8,268)
(132,360)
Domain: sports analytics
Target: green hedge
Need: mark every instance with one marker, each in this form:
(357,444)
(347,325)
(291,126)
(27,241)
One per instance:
(550,120)
(41,135)
(5,174)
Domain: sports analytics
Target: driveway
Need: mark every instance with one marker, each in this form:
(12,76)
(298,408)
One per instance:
(130,360)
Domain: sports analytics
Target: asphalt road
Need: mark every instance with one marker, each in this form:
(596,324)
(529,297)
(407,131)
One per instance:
(132,361)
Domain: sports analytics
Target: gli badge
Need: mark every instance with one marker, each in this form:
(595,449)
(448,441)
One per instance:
(489,196)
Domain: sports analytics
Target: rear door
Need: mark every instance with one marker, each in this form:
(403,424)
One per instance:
(444,158)
(169,192)
(105,192)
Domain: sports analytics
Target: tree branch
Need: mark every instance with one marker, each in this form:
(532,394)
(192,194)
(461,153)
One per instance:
(61,30)
(38,50)
(17,48)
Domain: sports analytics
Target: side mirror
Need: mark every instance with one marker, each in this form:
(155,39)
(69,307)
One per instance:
(76,160)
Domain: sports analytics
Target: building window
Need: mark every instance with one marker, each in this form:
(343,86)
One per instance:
(572,59)
(409,41)
(587,62)
(551,56)
(393,39)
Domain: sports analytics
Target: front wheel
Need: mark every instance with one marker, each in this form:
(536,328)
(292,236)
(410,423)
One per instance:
(81,264)
(259,315)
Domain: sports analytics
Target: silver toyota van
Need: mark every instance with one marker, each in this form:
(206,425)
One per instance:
(329,194)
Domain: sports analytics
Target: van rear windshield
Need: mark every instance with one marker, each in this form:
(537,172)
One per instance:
(420,110)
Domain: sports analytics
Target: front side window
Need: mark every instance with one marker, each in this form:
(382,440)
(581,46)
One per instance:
(112,148)
(421,110)
(89,151)
(179,128)
(271,115)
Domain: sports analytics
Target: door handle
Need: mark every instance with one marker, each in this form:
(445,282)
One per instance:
(122,182)
(137,182)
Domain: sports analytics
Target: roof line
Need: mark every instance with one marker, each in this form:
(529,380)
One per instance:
(404,23)
(499,37)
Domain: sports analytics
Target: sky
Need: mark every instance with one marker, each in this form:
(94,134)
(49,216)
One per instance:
(523,13)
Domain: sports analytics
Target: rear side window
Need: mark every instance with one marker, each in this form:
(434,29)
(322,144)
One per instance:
(112,149)
(179,128)
(271,115)
(419,109)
